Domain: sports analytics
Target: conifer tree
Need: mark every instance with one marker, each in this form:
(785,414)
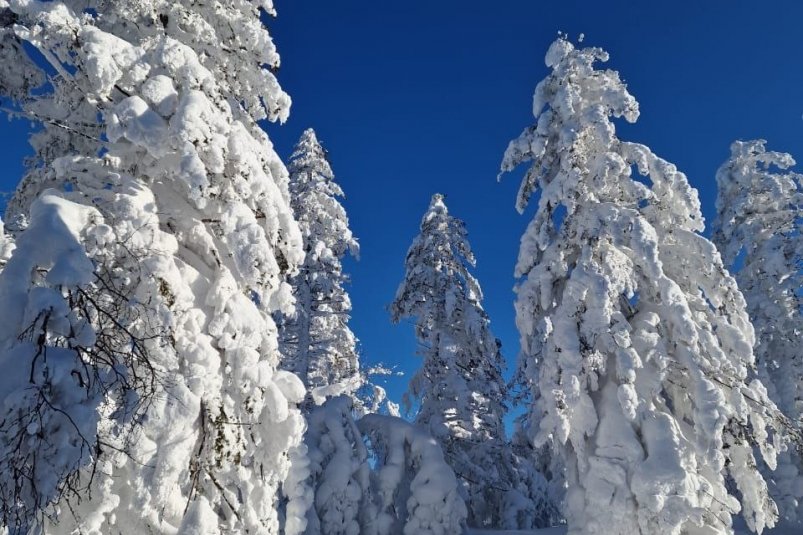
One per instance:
(634,335)
(140,390)
(316,342)
(758,231)
(459,388)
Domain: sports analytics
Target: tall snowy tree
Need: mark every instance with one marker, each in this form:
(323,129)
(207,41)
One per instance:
(459,387)
(758,231)
(140,390)
(634,335)
(316,342)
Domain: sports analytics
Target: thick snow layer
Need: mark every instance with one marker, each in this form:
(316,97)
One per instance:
(635,339)
(562,530)
(166,253)
(49,399)
(52,242)
(417,492)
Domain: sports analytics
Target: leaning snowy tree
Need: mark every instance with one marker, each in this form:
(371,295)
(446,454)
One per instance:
(758,231)
(459,387)
(635,337)
(139,386)
(316,342)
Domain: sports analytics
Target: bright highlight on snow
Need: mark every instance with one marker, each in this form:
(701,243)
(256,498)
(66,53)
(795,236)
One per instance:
(175,349)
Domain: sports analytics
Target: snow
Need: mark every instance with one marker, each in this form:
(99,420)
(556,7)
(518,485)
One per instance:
(173,251)
(636,342)
(135,121)
(161,94)
(174,340)
(315,340)
(459,388)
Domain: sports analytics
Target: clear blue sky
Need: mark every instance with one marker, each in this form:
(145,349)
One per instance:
(416,97)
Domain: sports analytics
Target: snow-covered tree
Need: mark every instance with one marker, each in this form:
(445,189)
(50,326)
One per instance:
(634,335)
(758,231)
(535,493)
(379,475)
(459,388)
(140,390)
(414,490)
(316,342)
(339,471)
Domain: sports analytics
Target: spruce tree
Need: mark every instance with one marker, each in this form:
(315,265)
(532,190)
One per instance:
(459,388)
(634,335)
(758,231)
(140,390)
(316,342)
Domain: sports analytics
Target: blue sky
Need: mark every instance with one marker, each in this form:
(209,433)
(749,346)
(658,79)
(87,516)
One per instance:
(412,98)
(417,97)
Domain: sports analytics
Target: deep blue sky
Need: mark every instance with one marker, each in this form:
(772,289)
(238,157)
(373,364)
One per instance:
(416,97)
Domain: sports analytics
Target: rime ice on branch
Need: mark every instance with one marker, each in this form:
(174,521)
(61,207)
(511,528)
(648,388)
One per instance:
(634,335)
(158,365)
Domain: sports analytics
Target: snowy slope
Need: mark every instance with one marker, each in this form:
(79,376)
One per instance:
(547,531)
(562,531)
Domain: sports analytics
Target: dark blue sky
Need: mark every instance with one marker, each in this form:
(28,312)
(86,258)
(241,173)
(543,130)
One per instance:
(412,98)
(416,97)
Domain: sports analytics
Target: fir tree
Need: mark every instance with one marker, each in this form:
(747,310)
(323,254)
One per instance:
(634,335)
(316,342)
(459,388)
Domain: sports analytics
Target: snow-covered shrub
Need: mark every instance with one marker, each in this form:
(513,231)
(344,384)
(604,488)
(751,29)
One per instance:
(758,231)
(339,470)
(635,337)
(536,487)
(379,475)
(414,491)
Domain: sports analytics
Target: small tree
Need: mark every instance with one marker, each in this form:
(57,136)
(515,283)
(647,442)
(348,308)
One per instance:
(459,387)
(758,231)
(379,475)
(414,490)
(339,471)
(634,336)
(317,344)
